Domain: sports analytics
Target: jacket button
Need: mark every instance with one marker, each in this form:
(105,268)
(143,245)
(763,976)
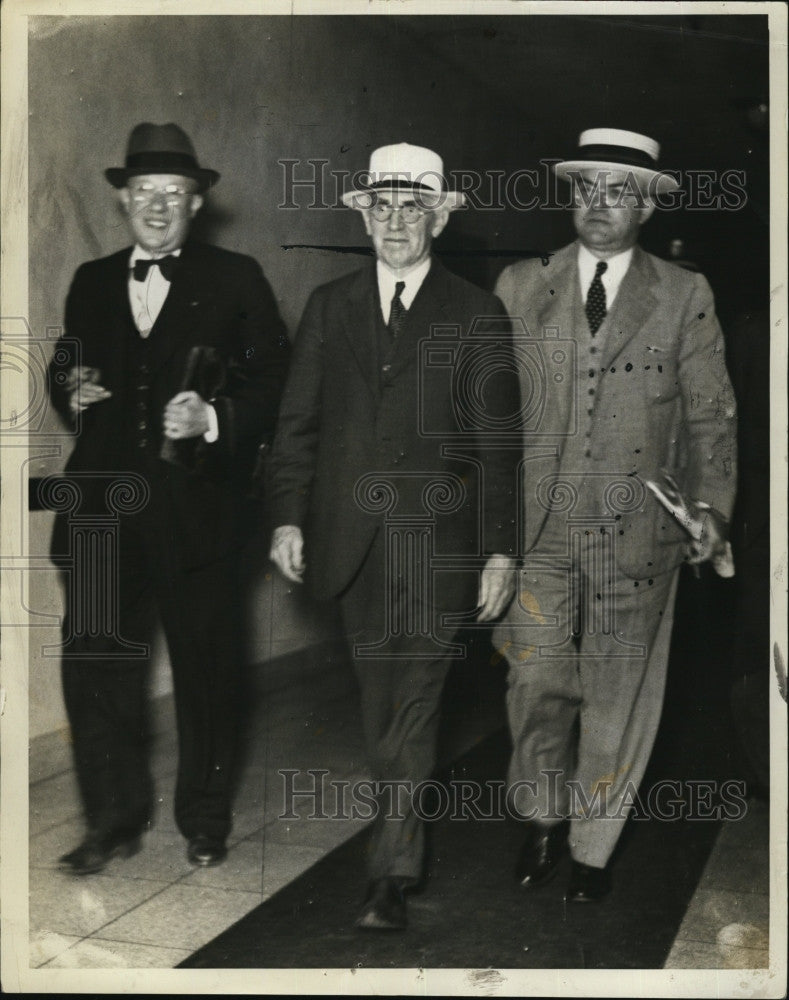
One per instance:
(142,425)
(386,368)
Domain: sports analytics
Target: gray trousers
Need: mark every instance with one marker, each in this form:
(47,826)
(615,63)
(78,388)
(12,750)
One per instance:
(587,655)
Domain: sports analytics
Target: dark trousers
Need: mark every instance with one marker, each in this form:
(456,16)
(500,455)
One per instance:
(106,692)
(400,685)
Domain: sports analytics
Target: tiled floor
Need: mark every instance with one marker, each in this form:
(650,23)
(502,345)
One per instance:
(153,910)
(726,924)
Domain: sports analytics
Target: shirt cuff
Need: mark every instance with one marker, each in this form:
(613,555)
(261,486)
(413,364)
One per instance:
(212,434)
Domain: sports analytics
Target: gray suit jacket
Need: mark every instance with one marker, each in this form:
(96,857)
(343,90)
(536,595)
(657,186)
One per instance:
(663,396)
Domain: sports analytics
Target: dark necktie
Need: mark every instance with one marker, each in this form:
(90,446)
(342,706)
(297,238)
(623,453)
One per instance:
(166,265)
(595,300)
(397,312)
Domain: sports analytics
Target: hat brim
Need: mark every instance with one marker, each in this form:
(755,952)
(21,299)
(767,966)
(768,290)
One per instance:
(654,180)
(360,198)
(119,176)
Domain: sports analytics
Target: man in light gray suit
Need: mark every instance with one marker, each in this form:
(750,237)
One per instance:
(635,386)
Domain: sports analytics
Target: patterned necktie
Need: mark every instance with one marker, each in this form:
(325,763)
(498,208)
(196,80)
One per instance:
(397,311)
(595,299)
(166,265)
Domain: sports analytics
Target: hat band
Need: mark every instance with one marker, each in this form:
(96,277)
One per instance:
(399,183)
(625,155)
(160,163)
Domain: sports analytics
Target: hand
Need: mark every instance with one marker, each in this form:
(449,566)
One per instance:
(82,384)
(186,416)
(713,539)
(496,587)
(287,548)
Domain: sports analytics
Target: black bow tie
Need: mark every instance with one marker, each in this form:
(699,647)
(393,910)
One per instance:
(167,265)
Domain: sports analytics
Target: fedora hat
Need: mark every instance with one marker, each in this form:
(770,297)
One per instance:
(403,167)
(616,149)
(160,149)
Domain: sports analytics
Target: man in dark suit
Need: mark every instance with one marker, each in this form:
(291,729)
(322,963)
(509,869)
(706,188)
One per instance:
(170,372)
(376,476)
(647,393)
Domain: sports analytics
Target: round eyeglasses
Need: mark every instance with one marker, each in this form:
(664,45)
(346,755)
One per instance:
(172,194)
(410,213)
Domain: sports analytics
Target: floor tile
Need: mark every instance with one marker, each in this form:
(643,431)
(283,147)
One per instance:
(743,870)
(67,904)
(697,955)
(284,862)
(53,800)
(46,848)
(711,910)
(45,945)
(325,834)
(183,916)
(96,953)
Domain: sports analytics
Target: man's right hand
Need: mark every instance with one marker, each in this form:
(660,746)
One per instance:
(83,385)
(287,551)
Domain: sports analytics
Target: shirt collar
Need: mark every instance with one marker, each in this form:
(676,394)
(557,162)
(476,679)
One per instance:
(139,253)
(616,270)
(413,282)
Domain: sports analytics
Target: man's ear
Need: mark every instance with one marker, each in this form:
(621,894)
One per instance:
(124,197)
(195,204)
(367,226)
(440,219)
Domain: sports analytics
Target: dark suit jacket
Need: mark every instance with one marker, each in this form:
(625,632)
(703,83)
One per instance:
(664,400)
(342,418)
(218,300)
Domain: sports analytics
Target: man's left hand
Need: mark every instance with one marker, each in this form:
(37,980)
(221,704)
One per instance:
(186,416)
(713,539)
(496,587)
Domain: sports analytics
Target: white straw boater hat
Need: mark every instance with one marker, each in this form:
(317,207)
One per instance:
(403,167)
(616,149)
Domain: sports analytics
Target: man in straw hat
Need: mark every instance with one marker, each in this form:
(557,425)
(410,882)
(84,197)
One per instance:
(372,456)
(170,373)
(587,637)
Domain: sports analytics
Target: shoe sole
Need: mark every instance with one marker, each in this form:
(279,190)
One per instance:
(370,923)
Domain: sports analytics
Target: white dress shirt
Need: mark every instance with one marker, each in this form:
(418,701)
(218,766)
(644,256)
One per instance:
(146,299)
(388,279)
(611,279)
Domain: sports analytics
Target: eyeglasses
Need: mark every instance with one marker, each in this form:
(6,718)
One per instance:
(408,213)
(173,194)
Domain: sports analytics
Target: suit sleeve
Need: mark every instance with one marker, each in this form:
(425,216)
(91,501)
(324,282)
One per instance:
(709,409)
(67,353)
(247,406)
(501,452)
(294,452)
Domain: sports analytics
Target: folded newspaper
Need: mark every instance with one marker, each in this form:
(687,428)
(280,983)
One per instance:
(692,514)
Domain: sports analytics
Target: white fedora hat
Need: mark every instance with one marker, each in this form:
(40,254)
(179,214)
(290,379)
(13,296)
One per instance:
(403,167)
(616,149)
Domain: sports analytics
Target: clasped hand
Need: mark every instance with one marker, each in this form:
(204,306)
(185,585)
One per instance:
(185,416)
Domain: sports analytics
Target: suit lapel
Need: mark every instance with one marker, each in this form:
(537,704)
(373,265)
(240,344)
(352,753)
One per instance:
(359,324)
(561,297)
(176,320)
(429,307)
(633,304)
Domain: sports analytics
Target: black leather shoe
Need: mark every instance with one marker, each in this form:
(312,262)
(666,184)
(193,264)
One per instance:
(384,908)
(542,850)
(206,851)
(587,884)
(92,855)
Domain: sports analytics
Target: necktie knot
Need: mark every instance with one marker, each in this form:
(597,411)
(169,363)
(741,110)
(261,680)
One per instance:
(167,265)
(397,311)
(596,306)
